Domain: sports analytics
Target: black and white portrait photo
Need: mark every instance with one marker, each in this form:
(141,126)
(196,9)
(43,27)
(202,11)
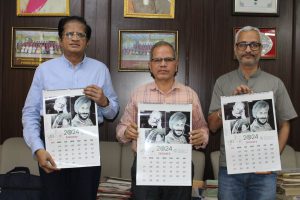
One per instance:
(59,109)
(83,111)
(152,119)
(236,110)
(153,123)
(178,127)
(261,115)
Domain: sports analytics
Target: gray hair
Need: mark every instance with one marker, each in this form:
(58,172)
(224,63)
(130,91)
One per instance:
(258,106)
(159,44)
(246,29)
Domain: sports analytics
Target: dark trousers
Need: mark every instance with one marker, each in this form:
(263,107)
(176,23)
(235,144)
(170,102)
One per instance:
(140,192)
(71,184)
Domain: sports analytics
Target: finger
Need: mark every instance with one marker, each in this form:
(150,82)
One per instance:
(91,87)
(134,125)
(129,133)
(52,163)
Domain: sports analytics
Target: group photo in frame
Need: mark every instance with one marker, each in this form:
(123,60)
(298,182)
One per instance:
(255,7)
(32,46)
(149,8)
(43,7)
(269,42)
(135,46)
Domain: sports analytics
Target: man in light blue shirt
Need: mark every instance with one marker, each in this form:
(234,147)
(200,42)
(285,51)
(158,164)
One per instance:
(72,70)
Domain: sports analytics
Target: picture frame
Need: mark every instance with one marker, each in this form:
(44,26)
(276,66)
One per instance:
(164,9)
(43,8)
(135,46)
(269,42)
(254,7)
(32,46)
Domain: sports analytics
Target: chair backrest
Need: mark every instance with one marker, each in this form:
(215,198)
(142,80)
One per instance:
(288,158)
(15,153)
(214,156)
(198,158)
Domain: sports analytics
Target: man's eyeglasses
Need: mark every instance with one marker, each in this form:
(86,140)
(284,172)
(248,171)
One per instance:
(254,46)
(79,35)
(159,60)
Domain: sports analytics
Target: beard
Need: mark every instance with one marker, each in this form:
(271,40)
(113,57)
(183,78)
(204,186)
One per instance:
(178,133)
(262,122)
(83,116)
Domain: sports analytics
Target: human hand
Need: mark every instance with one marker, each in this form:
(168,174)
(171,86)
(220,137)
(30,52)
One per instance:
(45,161)
(242,89)
(198,137)
(62,120)
(156,123)
(96,94)
(131,132)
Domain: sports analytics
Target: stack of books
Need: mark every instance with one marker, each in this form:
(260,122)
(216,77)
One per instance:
(112,188)
(288,186)
(211,190)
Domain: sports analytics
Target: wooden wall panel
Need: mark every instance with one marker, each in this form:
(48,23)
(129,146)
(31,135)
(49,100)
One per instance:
(1,59)
(97,14)
(295,136)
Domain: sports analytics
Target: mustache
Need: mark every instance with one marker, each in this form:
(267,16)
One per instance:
(248,54)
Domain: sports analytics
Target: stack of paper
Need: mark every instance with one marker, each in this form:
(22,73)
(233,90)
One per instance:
(114,188)
(288,186)
(211,190)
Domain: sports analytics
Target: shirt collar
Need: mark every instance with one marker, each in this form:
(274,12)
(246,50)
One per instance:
(175,85)
(70,64)
(256,74)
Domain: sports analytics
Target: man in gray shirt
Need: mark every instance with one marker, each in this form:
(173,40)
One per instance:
(249,78)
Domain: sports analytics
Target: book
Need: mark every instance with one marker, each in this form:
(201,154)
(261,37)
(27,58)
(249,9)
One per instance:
(114,188)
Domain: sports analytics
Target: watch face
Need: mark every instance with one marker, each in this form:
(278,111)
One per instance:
(267,44)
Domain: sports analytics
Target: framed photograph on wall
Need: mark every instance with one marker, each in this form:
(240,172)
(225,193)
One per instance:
(43,7)
(256,7)
(149,8)
(135,46)
(269,42)
(32,46)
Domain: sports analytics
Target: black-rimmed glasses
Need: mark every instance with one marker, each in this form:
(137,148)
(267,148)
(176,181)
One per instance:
(254,46)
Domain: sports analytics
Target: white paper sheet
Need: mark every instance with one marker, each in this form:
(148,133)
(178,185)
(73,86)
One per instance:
(164,156)
(250,133)
(71,128)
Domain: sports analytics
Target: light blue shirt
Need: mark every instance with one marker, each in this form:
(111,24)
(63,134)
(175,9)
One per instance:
(59,73)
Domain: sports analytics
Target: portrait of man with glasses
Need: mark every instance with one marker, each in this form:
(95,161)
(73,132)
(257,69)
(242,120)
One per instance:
(249,77)
(72,70)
